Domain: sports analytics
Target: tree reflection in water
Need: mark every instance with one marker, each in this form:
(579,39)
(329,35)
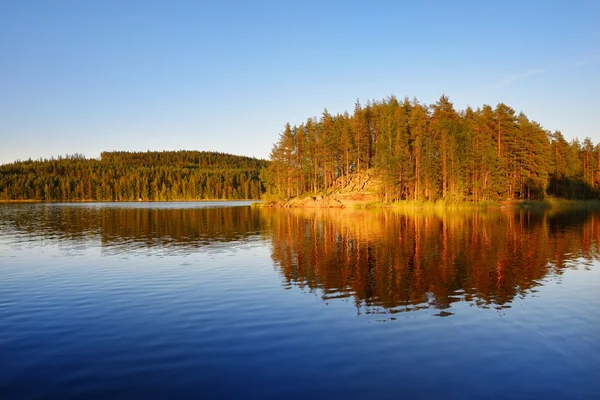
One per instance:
(390,262)
(386,262)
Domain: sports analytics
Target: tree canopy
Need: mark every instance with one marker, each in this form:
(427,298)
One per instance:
(434,152)
(133,176)
(418,152)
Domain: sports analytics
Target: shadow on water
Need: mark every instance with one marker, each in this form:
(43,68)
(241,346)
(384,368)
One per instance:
(385,262)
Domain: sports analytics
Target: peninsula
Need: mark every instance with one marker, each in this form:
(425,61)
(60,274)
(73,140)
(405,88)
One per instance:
(397,151)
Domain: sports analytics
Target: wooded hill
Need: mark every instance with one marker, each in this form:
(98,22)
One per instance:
(416,152)
(134,176)
(433,153)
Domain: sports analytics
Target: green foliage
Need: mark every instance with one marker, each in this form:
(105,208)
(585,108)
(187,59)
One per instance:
(432,153)
(126,176)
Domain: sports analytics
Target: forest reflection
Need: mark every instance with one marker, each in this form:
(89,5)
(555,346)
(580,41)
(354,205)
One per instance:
(389,262)
(123,229)
(383,261)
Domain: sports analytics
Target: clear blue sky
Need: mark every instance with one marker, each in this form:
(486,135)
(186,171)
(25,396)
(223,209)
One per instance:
(88,76)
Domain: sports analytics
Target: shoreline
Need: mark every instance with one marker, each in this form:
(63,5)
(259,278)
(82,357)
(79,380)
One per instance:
(124,201)
(318,202)
(546,204)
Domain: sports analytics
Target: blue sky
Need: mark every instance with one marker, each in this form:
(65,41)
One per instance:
(88,76)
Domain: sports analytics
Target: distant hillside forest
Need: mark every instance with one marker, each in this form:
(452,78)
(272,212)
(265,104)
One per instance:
(434,153)
(133,176)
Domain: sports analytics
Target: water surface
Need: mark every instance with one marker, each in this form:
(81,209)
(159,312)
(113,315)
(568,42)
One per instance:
(206,300)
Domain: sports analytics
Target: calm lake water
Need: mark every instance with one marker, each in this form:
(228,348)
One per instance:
(214,300)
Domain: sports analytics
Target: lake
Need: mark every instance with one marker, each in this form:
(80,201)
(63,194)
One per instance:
(223,300)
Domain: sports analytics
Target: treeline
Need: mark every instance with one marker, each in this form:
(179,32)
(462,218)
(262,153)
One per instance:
(134,176)
(434,153)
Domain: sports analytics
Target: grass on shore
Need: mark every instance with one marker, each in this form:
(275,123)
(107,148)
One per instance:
(548,203)
(429,205)
(20,201)
(554,203)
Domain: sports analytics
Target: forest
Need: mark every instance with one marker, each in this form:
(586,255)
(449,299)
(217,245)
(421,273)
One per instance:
(416,151)
(431,153)
(134,176)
